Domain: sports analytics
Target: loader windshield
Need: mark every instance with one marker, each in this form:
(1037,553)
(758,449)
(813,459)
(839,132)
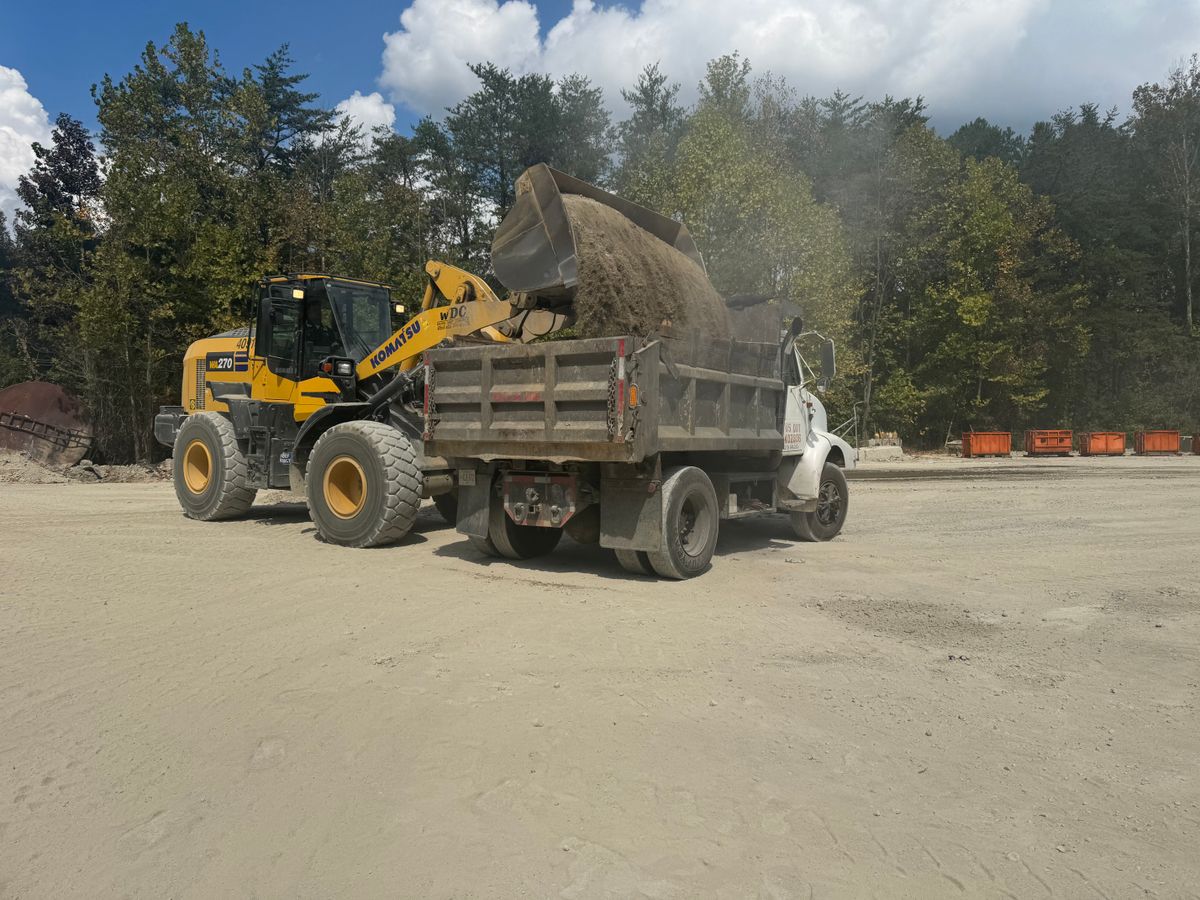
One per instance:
(363,315)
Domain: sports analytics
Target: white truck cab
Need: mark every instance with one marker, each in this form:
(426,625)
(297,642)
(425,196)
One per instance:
(812,484)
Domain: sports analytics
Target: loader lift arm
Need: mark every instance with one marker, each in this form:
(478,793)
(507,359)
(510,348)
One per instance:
(455,303)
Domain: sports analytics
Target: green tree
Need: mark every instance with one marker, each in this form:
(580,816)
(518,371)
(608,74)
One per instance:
(585,129)
(502,128)
(458,227)
(981,139)
(647,140)
(997,322)
(1166,127)
(13,366)
(55,238)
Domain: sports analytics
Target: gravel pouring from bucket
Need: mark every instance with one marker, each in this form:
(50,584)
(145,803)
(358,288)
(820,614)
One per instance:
(623,268)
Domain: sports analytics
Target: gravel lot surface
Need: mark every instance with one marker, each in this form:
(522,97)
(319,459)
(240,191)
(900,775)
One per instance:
(986,687)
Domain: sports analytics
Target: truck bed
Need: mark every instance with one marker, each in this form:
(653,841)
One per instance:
(616,399)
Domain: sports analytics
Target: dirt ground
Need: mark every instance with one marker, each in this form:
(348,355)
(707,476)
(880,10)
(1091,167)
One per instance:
(987,687)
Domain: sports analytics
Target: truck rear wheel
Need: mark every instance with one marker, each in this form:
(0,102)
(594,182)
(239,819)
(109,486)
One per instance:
(363,484)
(635,561)
(690,523)
(514,541)
(209,469)
(833,502)
(447,506)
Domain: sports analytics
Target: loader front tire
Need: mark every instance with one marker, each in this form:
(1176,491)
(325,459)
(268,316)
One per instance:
(209,469)
(363,484)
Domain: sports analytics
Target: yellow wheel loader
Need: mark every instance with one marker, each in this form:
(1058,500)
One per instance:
(321,396)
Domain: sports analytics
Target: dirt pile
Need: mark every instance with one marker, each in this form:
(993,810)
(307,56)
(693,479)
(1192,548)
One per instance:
(632,283)
(21,468)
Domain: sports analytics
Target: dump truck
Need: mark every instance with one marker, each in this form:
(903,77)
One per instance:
(644,445)
(646,442)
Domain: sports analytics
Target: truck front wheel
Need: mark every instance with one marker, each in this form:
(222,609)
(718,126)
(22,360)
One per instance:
(833,502)
(363,484)
(690,522)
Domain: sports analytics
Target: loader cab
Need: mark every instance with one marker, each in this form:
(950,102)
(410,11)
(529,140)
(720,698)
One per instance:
(314,325)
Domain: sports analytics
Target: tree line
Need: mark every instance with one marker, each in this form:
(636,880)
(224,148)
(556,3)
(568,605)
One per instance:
(984,279)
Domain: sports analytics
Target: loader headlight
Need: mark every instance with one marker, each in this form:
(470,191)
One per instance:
(345,367)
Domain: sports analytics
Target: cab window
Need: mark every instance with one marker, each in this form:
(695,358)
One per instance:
(282,343)
(321,337)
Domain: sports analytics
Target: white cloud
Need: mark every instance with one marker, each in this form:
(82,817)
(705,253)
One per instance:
(23,120)
(1011,60)
(425,62)
(367,111)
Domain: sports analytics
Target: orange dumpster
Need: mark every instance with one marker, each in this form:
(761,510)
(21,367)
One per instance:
(986,443)
(1102,443)
(1048,442)
(1146,442)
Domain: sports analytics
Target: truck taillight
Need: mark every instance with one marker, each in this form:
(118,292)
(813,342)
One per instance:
(633,395)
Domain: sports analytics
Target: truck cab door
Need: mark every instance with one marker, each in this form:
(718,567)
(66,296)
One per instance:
(797,424)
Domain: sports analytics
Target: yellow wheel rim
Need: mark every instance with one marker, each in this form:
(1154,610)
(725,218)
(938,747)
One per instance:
(345,486)
(197,467)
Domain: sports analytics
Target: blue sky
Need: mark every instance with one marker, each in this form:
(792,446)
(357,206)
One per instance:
(1012,61)
(63,48)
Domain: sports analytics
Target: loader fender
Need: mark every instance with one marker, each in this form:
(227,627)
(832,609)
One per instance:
(324,419)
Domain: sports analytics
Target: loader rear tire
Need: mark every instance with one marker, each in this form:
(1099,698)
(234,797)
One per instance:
(210,469)
(513,541)
(690,522)
(636,562)
(363,484)
(833,502)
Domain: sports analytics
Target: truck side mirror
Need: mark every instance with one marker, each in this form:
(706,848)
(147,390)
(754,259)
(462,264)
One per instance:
(828,362)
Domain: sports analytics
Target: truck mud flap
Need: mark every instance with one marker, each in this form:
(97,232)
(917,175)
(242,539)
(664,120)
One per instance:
(474,502)
(630,514)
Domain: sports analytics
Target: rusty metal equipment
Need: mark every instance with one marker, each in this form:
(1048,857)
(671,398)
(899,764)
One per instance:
(44,421)
(1146,443)
(986,443)
(1102,443)
(1048,442)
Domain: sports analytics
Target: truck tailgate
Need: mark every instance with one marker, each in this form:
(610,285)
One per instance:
(617,399)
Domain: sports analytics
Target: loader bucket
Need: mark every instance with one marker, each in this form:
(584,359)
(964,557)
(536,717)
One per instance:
(534,249)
